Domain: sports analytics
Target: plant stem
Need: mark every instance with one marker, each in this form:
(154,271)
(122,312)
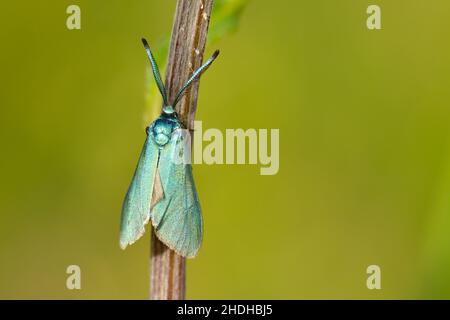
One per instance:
(190,28)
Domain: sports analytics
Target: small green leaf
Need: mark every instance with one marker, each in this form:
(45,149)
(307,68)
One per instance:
(225,18)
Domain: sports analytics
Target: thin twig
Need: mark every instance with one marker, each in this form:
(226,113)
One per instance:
(190,28)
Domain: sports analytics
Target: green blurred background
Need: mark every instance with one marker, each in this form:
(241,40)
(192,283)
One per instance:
(364,151)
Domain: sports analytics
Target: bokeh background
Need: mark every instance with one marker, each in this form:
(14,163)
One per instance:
(364,150)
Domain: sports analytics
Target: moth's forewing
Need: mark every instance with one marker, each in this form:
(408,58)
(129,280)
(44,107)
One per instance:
(136,206)
(177,217)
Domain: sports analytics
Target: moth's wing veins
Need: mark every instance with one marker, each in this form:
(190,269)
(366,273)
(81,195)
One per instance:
(136,206)
(177,217)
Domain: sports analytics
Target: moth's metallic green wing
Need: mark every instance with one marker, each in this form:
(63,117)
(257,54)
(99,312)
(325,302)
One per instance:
(136,206)
(177,217)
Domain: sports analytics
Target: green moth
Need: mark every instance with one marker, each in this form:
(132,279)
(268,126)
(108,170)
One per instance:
(162,189)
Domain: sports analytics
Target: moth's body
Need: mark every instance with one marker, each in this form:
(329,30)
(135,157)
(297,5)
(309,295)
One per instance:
(162,189)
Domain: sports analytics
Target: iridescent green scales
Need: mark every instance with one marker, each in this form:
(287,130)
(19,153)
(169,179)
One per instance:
(176,216)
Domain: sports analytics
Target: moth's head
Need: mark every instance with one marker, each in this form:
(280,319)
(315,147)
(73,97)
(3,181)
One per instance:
(168,110)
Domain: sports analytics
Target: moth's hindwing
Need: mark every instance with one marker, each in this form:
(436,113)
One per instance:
(136,206)
(177,217)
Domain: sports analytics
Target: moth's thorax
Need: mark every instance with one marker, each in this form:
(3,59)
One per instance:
(161,129)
